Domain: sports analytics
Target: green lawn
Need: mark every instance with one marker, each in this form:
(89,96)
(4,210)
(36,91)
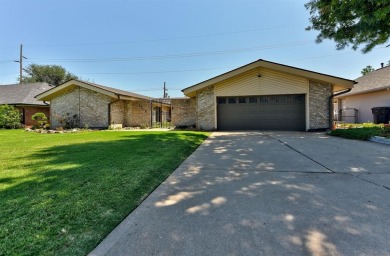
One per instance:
(61,194)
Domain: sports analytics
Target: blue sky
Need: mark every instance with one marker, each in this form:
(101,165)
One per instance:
(139,45)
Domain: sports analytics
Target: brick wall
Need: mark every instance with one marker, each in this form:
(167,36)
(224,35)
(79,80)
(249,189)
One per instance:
(183,112)
(29,111)
(91,107)
(118,113)
(319,94)
(206,109)
(138,113)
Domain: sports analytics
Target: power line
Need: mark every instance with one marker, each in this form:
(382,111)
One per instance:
(157,39)
(185,55)
(151,72)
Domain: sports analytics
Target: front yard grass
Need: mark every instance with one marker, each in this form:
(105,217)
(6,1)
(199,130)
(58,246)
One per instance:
(61,194)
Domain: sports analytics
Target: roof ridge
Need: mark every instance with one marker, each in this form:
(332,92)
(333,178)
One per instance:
(112,89)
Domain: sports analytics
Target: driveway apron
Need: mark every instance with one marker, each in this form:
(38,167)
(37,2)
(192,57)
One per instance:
(274,193)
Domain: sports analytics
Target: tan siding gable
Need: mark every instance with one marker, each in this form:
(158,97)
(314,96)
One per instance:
(270,83)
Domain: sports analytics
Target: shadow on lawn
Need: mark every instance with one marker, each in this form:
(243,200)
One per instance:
(75,194)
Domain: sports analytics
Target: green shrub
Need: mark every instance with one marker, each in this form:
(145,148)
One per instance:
(9,117)
(363,133)
(41,119)
(386,131)
(144,126)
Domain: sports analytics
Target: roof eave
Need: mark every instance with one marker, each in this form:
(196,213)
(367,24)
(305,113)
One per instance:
(48,95)
(340,83)
(385,88)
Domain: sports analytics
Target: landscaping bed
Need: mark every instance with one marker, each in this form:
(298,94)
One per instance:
(362,131)
(61,194)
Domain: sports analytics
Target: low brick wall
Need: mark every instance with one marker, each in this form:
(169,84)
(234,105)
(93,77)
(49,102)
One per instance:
(183,112)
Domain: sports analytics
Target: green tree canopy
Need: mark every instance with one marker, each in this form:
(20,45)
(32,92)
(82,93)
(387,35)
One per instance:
(367,70)
(51,74)
(355,22)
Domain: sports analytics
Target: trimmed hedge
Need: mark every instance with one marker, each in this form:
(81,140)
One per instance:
(363,133)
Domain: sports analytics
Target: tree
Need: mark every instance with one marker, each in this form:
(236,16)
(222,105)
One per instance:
(367,70)
(9,117)
(356,22)
(51,74)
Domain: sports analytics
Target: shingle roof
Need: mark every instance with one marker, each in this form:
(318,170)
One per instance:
(23,94)
(117,91)
(54,91)
(375,80)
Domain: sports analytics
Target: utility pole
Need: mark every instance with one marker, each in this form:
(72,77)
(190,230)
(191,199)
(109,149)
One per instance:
(21,57)
(165,92)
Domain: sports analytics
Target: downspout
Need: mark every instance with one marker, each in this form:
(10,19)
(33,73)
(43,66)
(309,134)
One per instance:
(109,110)
(331,106)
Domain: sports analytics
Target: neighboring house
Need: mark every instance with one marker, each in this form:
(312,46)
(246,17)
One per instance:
(97,106)
(263,95)
(21,96)
(372,90)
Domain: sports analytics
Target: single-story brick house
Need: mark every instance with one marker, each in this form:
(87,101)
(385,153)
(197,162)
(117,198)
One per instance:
(21,96)
(372,90)
(263,95)
(97,106)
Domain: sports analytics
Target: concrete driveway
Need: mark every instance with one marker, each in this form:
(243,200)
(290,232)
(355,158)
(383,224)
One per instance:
(275,193)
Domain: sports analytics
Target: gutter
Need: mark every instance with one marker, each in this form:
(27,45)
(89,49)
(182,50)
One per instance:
(331,106)
(385,88)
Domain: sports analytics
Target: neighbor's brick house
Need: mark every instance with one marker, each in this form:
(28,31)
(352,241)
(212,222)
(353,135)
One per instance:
(22,97)
(98,106)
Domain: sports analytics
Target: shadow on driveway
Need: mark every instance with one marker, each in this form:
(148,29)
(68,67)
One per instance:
(253,193)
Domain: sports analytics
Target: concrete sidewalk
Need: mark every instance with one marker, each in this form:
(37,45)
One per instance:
(253,193)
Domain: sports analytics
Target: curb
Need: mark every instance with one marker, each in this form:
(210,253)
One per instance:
(380,139)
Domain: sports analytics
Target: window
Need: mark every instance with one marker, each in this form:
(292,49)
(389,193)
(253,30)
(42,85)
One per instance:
(221,100)
(231,100)
(299,98)
(264,99)
(252,99)
(241,100)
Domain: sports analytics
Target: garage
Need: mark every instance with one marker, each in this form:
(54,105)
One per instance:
(265,112)
(265,95)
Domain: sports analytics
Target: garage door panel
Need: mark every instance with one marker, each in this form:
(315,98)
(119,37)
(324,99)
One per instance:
(276,112)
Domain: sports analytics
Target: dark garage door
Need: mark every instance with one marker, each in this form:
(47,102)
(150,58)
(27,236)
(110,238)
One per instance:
(274,112)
